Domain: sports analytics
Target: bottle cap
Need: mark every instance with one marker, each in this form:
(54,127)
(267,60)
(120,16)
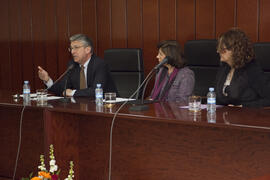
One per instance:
(98,85)
(211,89)
(26,82)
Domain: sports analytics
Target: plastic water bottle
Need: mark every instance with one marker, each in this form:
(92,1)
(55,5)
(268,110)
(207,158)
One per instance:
(211,117)
(211,100)
(99,95)
(26,92)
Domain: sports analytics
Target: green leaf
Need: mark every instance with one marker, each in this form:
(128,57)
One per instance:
(25,179)
(30,175)
(58,172)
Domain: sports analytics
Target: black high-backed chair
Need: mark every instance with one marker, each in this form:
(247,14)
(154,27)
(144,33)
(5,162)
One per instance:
(262,54)
(126,65)
(203,59)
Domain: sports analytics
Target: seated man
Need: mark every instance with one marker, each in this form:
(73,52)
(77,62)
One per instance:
(87,71)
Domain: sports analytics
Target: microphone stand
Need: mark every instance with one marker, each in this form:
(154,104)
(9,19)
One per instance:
(141,105)
(65,99)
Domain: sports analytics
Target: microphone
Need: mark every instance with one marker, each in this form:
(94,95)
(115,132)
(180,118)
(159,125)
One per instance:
(70,67)
(164,61)
(60,77)
(141,104)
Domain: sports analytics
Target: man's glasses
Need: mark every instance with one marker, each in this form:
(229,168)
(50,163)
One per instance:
(74,48)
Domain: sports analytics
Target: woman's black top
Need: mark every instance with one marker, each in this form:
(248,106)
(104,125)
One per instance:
(249,86)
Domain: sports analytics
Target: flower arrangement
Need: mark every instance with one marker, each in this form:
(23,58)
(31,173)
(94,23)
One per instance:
(53,173)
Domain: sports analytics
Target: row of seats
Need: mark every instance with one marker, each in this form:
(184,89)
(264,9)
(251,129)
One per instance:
(127,67)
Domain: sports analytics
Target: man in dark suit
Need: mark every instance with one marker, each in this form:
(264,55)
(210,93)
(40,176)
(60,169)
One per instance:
(87,71)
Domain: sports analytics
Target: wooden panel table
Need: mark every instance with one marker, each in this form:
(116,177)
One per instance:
(165,142)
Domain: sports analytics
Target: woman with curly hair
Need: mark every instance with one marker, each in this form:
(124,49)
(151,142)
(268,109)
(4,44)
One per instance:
(174,81)
(240,80)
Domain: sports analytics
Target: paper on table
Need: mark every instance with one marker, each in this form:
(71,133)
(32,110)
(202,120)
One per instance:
(203,106)
(34,97)
(118,100)
(49,98)
(31,95)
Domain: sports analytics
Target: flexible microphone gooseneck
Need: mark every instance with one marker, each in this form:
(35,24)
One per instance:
(142,105)
(144,88)
(60,77)
(122,105)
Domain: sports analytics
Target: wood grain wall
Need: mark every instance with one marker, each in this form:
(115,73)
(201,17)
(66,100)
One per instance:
(35,32)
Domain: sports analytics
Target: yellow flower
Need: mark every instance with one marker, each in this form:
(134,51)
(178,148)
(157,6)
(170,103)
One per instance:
(44,174)
(35,178)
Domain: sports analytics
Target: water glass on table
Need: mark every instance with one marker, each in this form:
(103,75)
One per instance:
(110,99)
(41,97)
(194,103)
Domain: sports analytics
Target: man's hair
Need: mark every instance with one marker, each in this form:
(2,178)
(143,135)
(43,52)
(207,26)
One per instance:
(84,39)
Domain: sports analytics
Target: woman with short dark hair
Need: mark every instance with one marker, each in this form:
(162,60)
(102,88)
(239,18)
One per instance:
(174,81)
(240,80)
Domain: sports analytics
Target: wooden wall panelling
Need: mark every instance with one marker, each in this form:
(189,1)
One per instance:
(264,21)
(38,29)
(150,33)
(51,39)
(37,32)
(247,17)
(29,71)
(167,20)
(103,26)
(75,17)
(15,44)
(150,37)
(119,23)
(134,24)
(225,16)
(185,21)
(63,35)
(89,20)
(205,19)
(5,65)
(74,10)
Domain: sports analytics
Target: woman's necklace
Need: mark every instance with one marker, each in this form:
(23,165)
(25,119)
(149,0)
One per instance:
(228,81)
(230,75)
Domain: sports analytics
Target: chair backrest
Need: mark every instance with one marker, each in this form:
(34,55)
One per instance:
(262,55)
(126,65)
(203,59)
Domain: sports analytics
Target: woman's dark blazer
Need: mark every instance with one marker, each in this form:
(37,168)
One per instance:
(249,86)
